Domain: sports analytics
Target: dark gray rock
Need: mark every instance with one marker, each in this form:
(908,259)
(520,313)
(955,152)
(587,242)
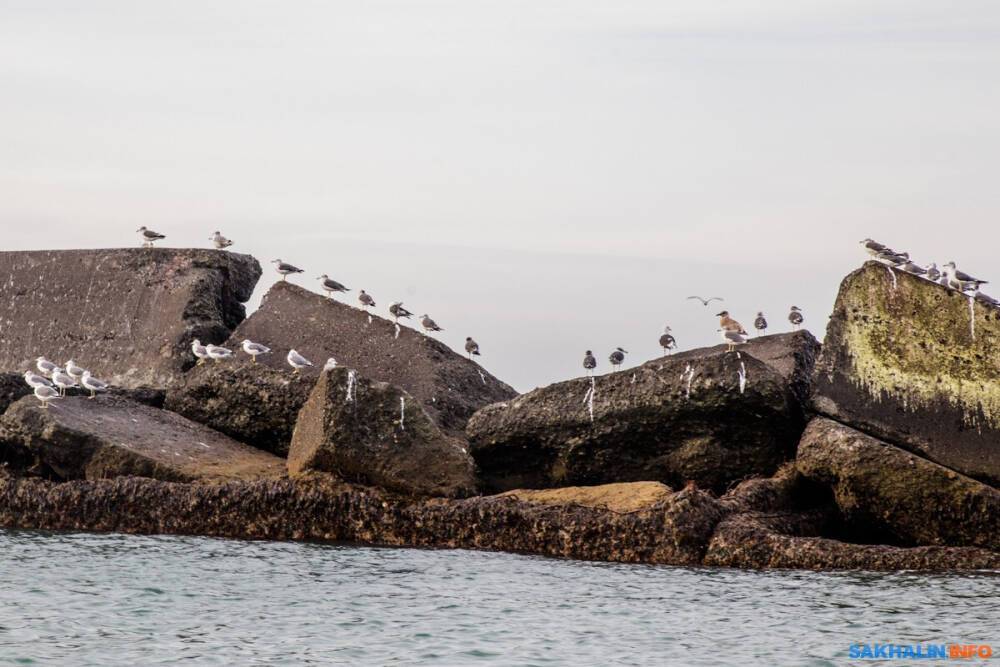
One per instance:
(374,433)
(129,315)
(674,419)
(903,361)
(12,387)
(111,436)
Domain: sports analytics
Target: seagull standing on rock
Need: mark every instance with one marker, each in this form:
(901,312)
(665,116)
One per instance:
(617,357)
(589,362)
(733,332)
(962,281)
(149,236)
(63,380)
(874,248)
(795,317)
(760,324)
(46,394)
(92,384)
(471,346)
(74,371)
(219,241)
(285,269)
(331,285)
(217,353)
(932,272)
(45,367)
(254,349)
(397,311)
(36,381)
(366,300)
(667,341)
(297,361)
(428,324)
(199,351)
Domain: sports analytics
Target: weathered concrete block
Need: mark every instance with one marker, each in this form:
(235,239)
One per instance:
(674,419)
(915,364)
(887,492)
(449,386)
(374,433)
(127,314)
(110,436)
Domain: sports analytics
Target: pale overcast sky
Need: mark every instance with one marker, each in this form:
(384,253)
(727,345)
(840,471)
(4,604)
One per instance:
(544,176)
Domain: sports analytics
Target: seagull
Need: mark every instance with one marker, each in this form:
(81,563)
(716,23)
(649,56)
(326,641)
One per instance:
(795,317)
(732,338)
(874,248)
(46,394)
(891,258)
(981,297)
(760,323)
(254,349)
(285,269)
(589,362)
(149,236)
(705,301)
(92,384)
(331,285)
(330,364)
(74,371)
(366,299)
(219,241)
(217,353)
(63,380)
(729,324)
(429,324)
(397,311)
(617,357)
(667,341)
(961,280)
(44,366)
(199,351)
(914,269)
(297,361)
(471,346)
(35,381)
(932,274)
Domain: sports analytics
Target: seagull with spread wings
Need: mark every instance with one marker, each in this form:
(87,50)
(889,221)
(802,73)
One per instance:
(705,301)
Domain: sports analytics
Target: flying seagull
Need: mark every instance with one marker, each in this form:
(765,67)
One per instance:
(92,384)
(471,346)
(254,349)
(331,285)
(429,324)
(297,361)
(46,394)
(199,351)
(617,357)
(285,269)
(795,317)
(760,324)
(667,341)
(219,241)
(397,311)
(589,362)
(148,236)
(705,301)
(366,300)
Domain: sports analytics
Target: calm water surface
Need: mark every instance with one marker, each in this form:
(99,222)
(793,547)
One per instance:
(86,599)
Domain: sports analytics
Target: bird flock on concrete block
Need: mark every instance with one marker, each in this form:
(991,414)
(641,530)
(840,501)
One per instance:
(948,275)
(53,381)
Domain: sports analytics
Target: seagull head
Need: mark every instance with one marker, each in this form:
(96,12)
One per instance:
(330,363)
(796,308)
(760,313)
(950,265)
(667,329)
(468,338)
(246,341)
(724,313)
(141,229)
(622,350)
(41,359)
(322,277)
(589,352)
(275,261)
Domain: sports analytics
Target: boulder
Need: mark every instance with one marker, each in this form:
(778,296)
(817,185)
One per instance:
(253,403)
(449,386)
(375,433)
(110,436)
(12,387)
(678,418)
(915,364)
(127,314)
(887,494)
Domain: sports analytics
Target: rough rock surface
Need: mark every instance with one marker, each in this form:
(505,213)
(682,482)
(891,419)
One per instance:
(895,495)
(127,314)
(12,387)
(912,363)
(253,403)
(110,436)
(374,433)
(674,419)
(624,497)
(449,386)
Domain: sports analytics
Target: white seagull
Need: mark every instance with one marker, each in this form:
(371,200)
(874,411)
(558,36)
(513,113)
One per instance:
(217,353)
(46,394)
(219,241)
(63,380)
(44,366)
(92,384)
(74,371)
(429,324)
(36,381)
(255,349)
(285,269)
(297,361)
(199,351)
(149,236)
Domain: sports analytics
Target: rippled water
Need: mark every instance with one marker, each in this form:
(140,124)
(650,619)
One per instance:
(125,600)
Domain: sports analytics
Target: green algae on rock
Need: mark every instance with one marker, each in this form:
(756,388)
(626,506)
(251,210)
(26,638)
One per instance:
(904,360)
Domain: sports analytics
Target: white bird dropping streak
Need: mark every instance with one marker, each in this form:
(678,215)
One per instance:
(892,274)
(588,398)
(397,330)
(742,375)
(369,318)
(689,374)
(402,413)
(350,386)
(482,377)
(972,317)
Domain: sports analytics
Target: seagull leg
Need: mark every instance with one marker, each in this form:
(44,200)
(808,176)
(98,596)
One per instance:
(93,394)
